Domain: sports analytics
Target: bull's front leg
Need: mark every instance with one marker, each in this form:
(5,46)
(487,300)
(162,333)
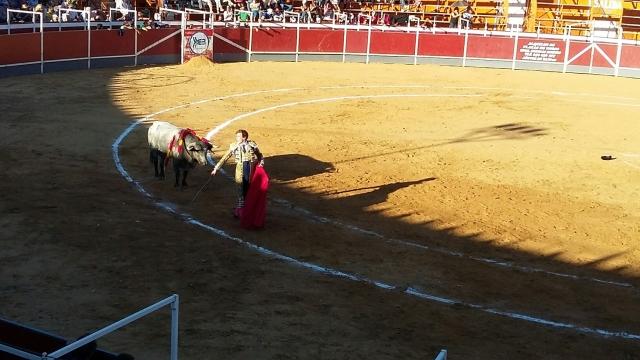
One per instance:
(163,156)
(184,178)
(153,156)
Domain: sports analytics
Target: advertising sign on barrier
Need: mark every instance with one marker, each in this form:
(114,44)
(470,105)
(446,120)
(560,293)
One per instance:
(540,50)
(198,42)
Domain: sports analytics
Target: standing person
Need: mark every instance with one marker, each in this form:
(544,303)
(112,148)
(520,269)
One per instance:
(247,155)
(454,19)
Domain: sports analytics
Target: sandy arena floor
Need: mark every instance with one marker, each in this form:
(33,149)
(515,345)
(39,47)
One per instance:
(483,187)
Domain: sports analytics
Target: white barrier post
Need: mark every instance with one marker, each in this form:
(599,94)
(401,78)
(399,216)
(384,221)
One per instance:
(567,40)
(515,51)
(135,36)
(442,355)
(8,23)
(415,49)
(591,59)
(183,26)
(464,54)
(344,44)
(618,52)
(250,39)
(89,40)
(41,44)
(369,40)
(297,38)
(175,306)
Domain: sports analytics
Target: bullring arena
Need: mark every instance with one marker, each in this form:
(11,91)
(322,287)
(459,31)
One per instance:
(412,208)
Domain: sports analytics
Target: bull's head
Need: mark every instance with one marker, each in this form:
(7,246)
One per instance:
(198,149)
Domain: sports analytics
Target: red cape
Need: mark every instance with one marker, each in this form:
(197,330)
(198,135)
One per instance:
(255,204)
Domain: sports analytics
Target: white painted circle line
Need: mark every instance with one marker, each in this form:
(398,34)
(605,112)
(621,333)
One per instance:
(325,270)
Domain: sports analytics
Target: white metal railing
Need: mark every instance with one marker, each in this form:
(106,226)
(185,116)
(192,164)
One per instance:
(85,14)
(340,17)
(33,18)
(442,355)
(290,15)
(172,301)
(203,13)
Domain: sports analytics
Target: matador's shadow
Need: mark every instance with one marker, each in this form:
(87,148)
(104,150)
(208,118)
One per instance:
(289,167)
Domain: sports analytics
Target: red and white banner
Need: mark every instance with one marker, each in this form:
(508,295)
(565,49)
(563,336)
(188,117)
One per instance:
(198,42)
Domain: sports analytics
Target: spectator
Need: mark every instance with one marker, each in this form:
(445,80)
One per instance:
(454,18)
(316,12)
(243,16)
(228,14)
(328,10)
(305,12)
(127,25)
(255,10)
(277,14)
(467,18)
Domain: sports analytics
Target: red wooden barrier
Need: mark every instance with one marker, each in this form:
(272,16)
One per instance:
(19,48)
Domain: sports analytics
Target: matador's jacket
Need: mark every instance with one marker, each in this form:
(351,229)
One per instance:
(246,155)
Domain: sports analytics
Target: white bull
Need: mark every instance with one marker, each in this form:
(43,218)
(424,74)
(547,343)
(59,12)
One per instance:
(182,146)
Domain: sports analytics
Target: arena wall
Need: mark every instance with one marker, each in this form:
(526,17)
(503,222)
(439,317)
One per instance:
(23,53)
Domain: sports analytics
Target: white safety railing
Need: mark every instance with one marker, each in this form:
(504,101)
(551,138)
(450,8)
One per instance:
(173,301)
(33,19)
(291,15)
(339,17)
(203,13)
(63,16)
